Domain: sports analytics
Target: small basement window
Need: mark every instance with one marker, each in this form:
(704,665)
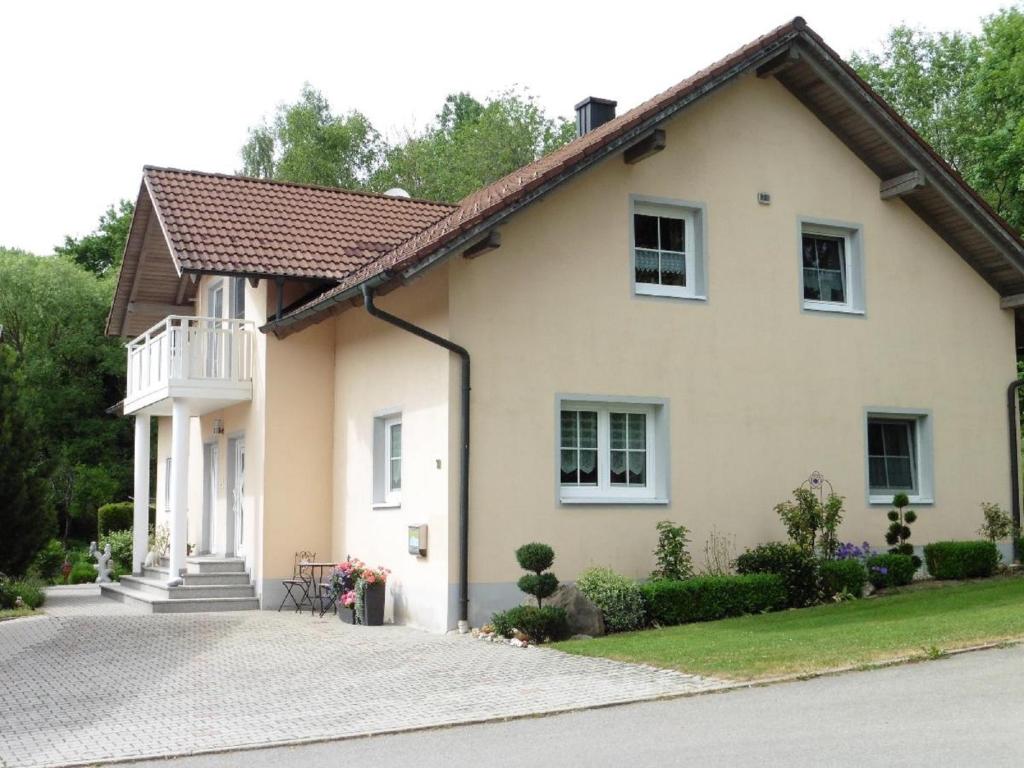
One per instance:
(831,273)
(667,258)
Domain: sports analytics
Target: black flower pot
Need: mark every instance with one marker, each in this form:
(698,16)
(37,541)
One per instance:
(346,614)
(373,605)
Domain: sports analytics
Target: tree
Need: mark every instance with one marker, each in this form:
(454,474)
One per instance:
(101,251)
(27,523)
(468,145)
(53,312)
(471,144)
(308,144)
(965,95)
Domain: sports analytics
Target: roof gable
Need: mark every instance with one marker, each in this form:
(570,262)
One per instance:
(819,78)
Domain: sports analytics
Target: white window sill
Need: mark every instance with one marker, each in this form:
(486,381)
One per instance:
(836,309)
(387,504)
(669,291)
(622,500)
(887,500)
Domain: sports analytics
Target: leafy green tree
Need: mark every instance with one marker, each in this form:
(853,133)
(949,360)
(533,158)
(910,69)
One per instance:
(470,144)
(53,311)
(101,251)
(965,95)
(308,144)
(26,521)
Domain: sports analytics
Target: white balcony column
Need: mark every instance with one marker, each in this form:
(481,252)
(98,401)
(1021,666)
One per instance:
(140,519)
(180,417)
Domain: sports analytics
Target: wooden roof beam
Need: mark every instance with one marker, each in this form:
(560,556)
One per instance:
(901,185)
(490,242)
(1016,301)
(780,63)
(651,144)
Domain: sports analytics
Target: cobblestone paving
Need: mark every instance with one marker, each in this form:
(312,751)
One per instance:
(94,681)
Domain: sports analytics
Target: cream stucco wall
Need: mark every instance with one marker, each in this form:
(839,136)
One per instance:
(379,370)
(761,393)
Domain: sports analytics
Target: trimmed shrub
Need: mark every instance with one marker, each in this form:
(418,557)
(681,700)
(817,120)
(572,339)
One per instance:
(82,573)
(842,576)
(798,569)
(48,561)
(707,598)
(535,557)
(114,517)
(538,624)
(961,559)
(889,570)
(120,548)
(619,598)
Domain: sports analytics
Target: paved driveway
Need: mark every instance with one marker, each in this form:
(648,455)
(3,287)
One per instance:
(94,681)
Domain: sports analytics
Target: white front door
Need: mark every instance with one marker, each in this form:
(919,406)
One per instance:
(238,493)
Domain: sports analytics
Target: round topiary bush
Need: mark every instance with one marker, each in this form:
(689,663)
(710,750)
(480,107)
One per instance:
(797,567)
(538,624)
(535,557)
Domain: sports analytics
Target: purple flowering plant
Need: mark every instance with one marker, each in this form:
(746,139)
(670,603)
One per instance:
(850,551)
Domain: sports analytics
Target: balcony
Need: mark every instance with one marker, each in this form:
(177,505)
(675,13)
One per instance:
(204,360)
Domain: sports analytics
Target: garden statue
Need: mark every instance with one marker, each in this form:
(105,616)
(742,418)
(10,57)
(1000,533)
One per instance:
(152,559)
(102,562)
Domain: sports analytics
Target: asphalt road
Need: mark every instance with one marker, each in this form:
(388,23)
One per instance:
(965,710)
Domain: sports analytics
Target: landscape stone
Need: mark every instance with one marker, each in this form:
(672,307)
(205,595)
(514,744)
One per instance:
(584,617)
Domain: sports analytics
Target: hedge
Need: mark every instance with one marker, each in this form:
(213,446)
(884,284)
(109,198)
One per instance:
(707,598)
(842,576)
(961,559)
(890,570)
(117,516)
(798,569)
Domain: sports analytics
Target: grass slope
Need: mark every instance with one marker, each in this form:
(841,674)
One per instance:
(912,623)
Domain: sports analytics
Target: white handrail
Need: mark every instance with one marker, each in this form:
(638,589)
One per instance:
(187,348)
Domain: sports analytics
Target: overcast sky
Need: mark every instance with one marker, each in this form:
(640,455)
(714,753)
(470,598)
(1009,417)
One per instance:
(92,91)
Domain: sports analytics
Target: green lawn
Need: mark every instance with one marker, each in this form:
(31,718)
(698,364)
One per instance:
(916,622)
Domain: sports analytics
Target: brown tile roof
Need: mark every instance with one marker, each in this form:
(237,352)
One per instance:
(233,224)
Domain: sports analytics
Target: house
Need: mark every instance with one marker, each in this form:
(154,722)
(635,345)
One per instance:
(759,273)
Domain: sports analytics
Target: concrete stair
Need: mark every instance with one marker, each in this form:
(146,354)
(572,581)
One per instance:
(209,584)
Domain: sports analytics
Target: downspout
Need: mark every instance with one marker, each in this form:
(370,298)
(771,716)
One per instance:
(464,469)
(1011,408)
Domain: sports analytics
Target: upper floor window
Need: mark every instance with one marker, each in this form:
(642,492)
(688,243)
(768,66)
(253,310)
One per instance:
(667,258)
(830,268)
(236,305)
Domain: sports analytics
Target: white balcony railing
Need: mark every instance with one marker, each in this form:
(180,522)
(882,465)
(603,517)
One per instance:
(194,353)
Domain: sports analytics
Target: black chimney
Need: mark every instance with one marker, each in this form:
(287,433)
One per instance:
(593,112)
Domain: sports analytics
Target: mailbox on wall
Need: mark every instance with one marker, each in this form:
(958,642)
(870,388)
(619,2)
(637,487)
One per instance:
(418,540)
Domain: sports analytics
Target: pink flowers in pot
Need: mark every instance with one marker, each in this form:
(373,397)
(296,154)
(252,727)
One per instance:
(348,575)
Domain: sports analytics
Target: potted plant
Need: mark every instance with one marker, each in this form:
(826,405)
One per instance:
(359,592)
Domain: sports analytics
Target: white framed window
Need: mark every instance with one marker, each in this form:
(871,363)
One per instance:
(236,301)
(393,460)
(667,248)
(387,459)
(898,455)
(831,267)
(611,452)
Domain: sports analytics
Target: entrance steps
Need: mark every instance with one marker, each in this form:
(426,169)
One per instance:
(208,584)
